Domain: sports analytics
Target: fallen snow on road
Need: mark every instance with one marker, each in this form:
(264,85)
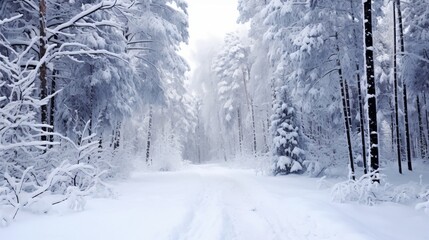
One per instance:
(213,202)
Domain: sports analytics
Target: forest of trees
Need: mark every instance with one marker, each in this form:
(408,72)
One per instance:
(323,83)
(88,85)
(83,85)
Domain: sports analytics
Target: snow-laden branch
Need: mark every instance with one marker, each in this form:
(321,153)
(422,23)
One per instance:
(100,6)
(86,52)
(7,20)
(423,59)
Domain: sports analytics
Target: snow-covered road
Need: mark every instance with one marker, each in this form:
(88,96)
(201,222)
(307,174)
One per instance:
(213,202)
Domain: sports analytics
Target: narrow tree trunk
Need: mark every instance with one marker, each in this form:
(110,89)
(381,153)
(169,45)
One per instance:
(392,127)
(421,133)
(427,122)
(401,26)
(52,105)
(345,112)
(407,130)
(362,125)
(346,125)
(91,110)
(395,82)
(371,93)
(361,115)
(43,67)
(349,112)
(149,137)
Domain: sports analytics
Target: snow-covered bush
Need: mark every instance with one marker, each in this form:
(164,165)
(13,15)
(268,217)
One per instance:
(365,191)
(36,173)
(425,204)
(67,172)
(362,190)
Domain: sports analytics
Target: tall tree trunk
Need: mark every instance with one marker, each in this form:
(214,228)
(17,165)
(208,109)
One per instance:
(347,125)
(395,82)
(345,112)
(401,26)
(361,123)
(371,93)
(407,127)
(43,67)
(361,115)
(422,139)
(427,122)
(392,127)
(349,112)
(52,105)
(407,130)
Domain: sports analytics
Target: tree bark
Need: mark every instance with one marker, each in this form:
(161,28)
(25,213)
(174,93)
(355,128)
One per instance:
(361,115)
(422,139)
(345,112)
(43,68)
(347,126)
(395,82)
(427,121)
(371,93)
(407,128)
(52,105)
(349,112)
(361,123)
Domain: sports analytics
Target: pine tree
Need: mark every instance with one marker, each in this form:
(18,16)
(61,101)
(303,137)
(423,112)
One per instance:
(287,140)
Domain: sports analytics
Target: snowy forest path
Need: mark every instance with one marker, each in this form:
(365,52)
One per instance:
(213,202)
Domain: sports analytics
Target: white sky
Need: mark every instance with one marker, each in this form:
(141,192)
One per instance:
(208,20)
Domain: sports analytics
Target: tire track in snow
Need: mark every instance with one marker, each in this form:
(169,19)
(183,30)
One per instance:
(207,219)
(234,204)
(246,218)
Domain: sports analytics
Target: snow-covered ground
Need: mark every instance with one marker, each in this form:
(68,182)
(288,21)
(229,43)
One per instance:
(214,202)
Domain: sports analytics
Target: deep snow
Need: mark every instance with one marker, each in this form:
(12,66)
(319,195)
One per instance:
(214,202)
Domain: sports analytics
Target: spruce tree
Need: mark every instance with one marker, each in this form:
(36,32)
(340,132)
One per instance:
(287,140)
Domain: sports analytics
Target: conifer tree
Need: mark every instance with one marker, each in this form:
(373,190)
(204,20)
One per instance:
(287,139)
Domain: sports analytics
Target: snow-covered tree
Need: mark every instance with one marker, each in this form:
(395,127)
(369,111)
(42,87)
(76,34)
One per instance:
(231,68)
(288,142)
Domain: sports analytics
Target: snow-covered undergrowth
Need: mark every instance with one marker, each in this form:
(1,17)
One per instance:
(364,191)
(65,173)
